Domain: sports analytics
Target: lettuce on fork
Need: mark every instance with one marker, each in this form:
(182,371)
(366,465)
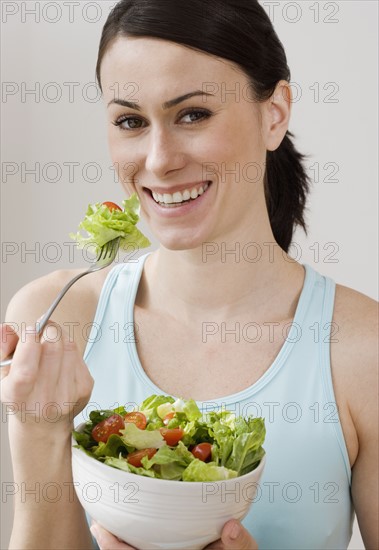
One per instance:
(104,224)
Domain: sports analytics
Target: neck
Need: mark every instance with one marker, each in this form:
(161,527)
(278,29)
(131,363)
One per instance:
(223,280)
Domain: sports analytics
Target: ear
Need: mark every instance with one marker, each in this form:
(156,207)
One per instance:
(276,115)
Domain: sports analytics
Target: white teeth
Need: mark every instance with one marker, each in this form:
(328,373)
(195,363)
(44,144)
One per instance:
(178,197)
(168,199)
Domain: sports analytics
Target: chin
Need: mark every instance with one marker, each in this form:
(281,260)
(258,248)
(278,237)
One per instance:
(180,240)
(180,244)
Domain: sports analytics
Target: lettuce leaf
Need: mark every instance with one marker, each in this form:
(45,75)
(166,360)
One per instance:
(113,447)
(122,464)
(104,225)
(149,409)
(166,454)
(206,471)
(246,444)
(141,439)
(191,410)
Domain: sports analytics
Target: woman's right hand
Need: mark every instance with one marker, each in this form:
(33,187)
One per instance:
(48,381)
(47,384)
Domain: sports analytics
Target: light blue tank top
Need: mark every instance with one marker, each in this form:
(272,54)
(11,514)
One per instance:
(303,499)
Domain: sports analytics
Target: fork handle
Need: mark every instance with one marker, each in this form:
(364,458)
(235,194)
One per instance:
(40,325)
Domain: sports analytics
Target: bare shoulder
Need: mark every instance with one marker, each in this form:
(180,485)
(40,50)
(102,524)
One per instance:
(355,352)
(355,374)
(77,308)
(356,317)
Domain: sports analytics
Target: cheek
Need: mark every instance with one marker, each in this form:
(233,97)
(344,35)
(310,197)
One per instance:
(239,158)
(234,159)
(123,159)
(117,151)
(238,140)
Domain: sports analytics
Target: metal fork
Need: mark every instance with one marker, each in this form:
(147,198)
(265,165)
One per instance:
(106,256)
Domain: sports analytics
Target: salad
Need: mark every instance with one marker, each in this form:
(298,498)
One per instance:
(106,221)
(171,439)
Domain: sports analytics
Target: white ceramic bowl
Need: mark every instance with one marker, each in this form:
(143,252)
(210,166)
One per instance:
(157,514)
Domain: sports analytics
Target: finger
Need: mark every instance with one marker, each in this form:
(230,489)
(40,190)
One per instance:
(217,545)
(106,540)
(236,537)
(8,343)
(25,365)
(4,371)
(74,374)
(8,339)
(51,361)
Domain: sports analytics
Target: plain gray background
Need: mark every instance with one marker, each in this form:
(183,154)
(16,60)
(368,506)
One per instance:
(59,132)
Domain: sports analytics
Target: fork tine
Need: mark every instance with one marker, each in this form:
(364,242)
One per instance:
(99,254)
(113,247)
(103,252)
(108,252)
(115,244)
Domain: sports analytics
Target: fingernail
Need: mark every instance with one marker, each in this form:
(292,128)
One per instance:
(235,532)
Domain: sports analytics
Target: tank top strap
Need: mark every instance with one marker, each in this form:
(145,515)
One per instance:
(121,281)
(329,334)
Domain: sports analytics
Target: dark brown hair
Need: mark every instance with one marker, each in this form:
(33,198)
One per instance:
(240,31)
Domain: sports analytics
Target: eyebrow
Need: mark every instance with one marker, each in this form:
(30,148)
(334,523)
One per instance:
(165,105)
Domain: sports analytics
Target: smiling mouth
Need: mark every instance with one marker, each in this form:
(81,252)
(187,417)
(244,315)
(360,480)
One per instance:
(178,198)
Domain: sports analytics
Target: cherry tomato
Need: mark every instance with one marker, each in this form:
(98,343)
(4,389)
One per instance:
(172,436)
(137,418)
(112,206)
(202,451)
(135,458)
(168,417)
(107,427)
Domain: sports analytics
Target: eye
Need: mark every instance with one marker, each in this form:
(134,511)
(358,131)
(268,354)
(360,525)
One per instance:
(194,115)
(129,122)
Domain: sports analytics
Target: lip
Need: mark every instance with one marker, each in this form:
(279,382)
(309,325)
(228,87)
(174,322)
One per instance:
(176,188)
(180,211)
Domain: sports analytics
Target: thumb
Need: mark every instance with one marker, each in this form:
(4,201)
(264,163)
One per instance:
(236,537)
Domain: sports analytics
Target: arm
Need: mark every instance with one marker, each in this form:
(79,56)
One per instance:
(365,477)
(355,361)
(42,373)
(39,523)
(365,486)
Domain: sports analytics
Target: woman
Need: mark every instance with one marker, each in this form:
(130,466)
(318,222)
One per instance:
(220,184)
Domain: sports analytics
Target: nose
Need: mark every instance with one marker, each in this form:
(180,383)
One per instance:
(164,153)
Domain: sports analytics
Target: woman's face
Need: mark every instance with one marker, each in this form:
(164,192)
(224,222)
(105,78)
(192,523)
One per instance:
(183,124)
